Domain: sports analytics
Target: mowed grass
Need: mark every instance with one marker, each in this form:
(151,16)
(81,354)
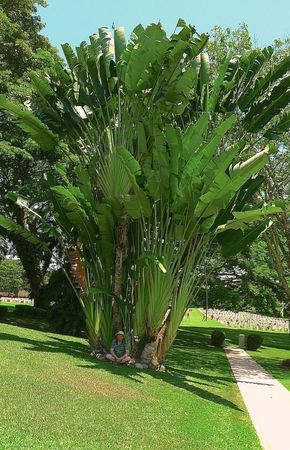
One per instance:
(55,396)
(23,315)
(275,347)
(12,304)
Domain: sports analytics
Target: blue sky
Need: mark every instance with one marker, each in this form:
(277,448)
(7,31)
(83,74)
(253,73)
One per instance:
(74,20)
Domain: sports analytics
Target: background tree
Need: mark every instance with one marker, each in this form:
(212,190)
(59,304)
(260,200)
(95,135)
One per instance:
(22,165)
(278,238)
(245,282)
(12,276)
(276,173)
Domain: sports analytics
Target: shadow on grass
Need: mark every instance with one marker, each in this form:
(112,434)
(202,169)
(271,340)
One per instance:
(183,357)
(192,365)
(26,322)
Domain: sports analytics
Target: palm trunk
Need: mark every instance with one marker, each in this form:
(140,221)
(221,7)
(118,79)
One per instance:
(148,355)
(78,271)
(121,248)
(161,347)
(154,352)
(79,277)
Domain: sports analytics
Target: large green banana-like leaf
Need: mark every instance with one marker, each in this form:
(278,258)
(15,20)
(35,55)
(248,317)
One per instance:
(41,84)
(264,82)
(247,192)
(75,214)
(204,80)
(85,185)
(244,218)
(48,97)
(119,42)
(113,178)
(261,96)
(200,159)
(161,163)
(236,235)
(38,131)
(203,156)
(241,200)
(130,163)
(70,56)
(194,136)
(58,211)
(198,44)
(174,142)
(224,187)
(234,241)
(12,227)
(254,63)
(261,114)
(214,95)
(107,45)
(47,228)
(218,187)
(276,207)
(241,74)
(221,163)
(151,48)
(142,140)
(178,94)
(137,204)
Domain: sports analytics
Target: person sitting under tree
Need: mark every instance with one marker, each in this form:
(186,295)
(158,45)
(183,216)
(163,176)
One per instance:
(119,352)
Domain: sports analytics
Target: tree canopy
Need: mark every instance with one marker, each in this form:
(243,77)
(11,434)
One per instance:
(12,276)
(22,165)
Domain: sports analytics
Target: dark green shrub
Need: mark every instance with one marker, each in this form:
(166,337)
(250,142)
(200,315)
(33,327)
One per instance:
(65,313)
(30,311)
(3,311)
(254,341)
(218,338)
(286,364)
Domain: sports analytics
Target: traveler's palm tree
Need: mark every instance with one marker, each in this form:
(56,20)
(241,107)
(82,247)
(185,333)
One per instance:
(155,171)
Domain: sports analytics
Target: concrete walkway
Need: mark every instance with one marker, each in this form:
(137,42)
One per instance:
(267,401)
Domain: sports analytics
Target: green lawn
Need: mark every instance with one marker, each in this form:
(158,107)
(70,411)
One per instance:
(22,318)
(275,348)
(55,396)
(9,305)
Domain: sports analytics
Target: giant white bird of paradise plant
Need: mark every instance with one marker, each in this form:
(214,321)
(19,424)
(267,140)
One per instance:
(156,170)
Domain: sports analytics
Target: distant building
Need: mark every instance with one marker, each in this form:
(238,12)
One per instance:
(23,294)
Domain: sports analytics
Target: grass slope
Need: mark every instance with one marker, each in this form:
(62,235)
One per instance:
(55,396)
(275,348)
